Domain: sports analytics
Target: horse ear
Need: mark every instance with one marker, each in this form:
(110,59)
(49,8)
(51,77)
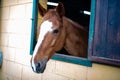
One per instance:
(60,9)
(41,10)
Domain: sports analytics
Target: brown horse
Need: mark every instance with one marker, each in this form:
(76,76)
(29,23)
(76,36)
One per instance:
(56,32)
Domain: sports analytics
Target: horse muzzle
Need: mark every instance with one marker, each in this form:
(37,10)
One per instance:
(39,67)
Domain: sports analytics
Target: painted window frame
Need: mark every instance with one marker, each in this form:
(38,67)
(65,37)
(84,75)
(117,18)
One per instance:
(34,26)
(62,57)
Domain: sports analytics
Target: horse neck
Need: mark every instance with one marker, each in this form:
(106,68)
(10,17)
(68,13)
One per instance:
(76,38)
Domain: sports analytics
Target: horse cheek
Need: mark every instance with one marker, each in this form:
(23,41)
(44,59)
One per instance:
(61,40)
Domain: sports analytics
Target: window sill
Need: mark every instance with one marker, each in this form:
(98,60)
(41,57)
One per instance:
(72,59)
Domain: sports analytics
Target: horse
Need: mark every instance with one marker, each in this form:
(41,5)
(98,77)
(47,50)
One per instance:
(56,32)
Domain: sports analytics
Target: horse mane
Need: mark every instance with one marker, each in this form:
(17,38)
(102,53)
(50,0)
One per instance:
(76,24)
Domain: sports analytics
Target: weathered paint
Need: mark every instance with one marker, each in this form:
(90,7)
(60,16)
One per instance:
(72,59)
(34,25)
(1,59)
(92,19)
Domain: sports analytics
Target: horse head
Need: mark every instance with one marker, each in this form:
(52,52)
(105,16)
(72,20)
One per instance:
(51,37)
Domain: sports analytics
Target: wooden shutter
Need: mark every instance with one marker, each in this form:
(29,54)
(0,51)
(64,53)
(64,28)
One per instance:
(105,44)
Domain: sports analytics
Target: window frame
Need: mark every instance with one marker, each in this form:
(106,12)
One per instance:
(61,57)
(34,26)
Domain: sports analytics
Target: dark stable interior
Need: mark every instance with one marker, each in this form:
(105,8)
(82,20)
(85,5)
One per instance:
(74,10)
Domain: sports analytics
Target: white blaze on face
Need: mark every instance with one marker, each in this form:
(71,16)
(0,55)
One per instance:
(45,27)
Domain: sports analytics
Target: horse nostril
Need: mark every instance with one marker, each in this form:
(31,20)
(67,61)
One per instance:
(38,65)
(32,68)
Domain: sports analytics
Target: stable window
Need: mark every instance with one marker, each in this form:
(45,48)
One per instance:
(89,13)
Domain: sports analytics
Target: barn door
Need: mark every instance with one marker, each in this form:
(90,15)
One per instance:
(105,44)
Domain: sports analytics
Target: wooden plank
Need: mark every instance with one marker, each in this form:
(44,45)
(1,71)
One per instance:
(113,30)
(100,28)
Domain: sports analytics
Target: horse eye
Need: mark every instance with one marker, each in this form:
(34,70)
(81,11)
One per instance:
(55,31)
